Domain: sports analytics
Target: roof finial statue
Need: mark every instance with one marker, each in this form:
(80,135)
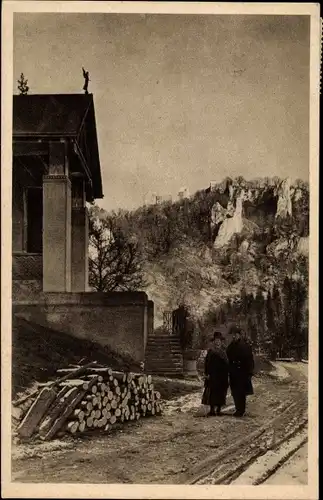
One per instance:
(87,80)
(23,87)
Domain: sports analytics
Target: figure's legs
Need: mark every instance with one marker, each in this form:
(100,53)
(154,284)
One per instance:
(218,410)
(240,403)
(212,412)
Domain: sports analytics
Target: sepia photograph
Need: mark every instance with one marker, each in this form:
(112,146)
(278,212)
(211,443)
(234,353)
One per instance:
(161,205)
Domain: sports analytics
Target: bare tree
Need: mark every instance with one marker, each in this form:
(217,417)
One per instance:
(115,262)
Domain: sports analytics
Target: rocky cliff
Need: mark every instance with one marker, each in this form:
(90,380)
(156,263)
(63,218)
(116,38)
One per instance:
(232,236)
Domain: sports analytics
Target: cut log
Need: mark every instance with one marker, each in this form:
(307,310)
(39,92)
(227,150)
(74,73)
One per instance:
(25,398)
(117,412)
(78,413)
(86,405)
(75,383)
(77,370)
(67,411)
(89,422)
(114,404)
(99,377)
(81,416)
(119,376)
(36,412)
(56,410)
(72,427)
(94,389)
(107,427)
(101,370)
(82,426)
(73,371)
(113,419)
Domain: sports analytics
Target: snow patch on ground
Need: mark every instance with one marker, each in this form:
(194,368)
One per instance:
(32,450)
(293,472)
(266,464)
(279,371)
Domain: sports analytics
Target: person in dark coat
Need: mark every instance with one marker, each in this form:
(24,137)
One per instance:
(241,368)
(216,376)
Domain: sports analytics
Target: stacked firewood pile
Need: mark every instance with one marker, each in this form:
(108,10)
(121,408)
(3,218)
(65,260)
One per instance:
(85,398)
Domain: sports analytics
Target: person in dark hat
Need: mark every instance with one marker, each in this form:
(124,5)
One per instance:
(216,376)
(241,367)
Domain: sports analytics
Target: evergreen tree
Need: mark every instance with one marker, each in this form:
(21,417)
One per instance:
(259,304)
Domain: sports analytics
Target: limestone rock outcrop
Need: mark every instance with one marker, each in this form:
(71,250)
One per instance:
(230,226)
(219,213)
(284,203)
(303,246)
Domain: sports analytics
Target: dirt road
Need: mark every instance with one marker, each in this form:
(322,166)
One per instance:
(293,472)
(167,449)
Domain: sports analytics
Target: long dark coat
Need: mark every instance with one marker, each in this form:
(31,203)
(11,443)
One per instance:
(241,367)
(216,386)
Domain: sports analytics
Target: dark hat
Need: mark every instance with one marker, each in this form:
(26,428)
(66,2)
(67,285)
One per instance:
(218,335)
(235,329)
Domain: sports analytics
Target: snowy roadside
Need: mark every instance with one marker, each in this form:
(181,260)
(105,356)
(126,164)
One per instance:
(267,464)
(279,371)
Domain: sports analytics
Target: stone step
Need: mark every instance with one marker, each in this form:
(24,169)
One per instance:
(155,364)
(157,352)
(163,341)
(163,369)
(164,346)
(160,362)
(163,361)
(163,354)
(163,337)
(178,373)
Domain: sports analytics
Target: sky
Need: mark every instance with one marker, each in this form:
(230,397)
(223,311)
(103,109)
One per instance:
(180,100)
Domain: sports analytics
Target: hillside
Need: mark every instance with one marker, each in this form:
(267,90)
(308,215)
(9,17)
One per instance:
(238,237)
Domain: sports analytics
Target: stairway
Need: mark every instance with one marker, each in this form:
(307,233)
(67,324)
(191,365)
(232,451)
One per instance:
(163,355)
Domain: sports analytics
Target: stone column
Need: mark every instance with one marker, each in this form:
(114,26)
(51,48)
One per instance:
(80,236)
(57,221)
